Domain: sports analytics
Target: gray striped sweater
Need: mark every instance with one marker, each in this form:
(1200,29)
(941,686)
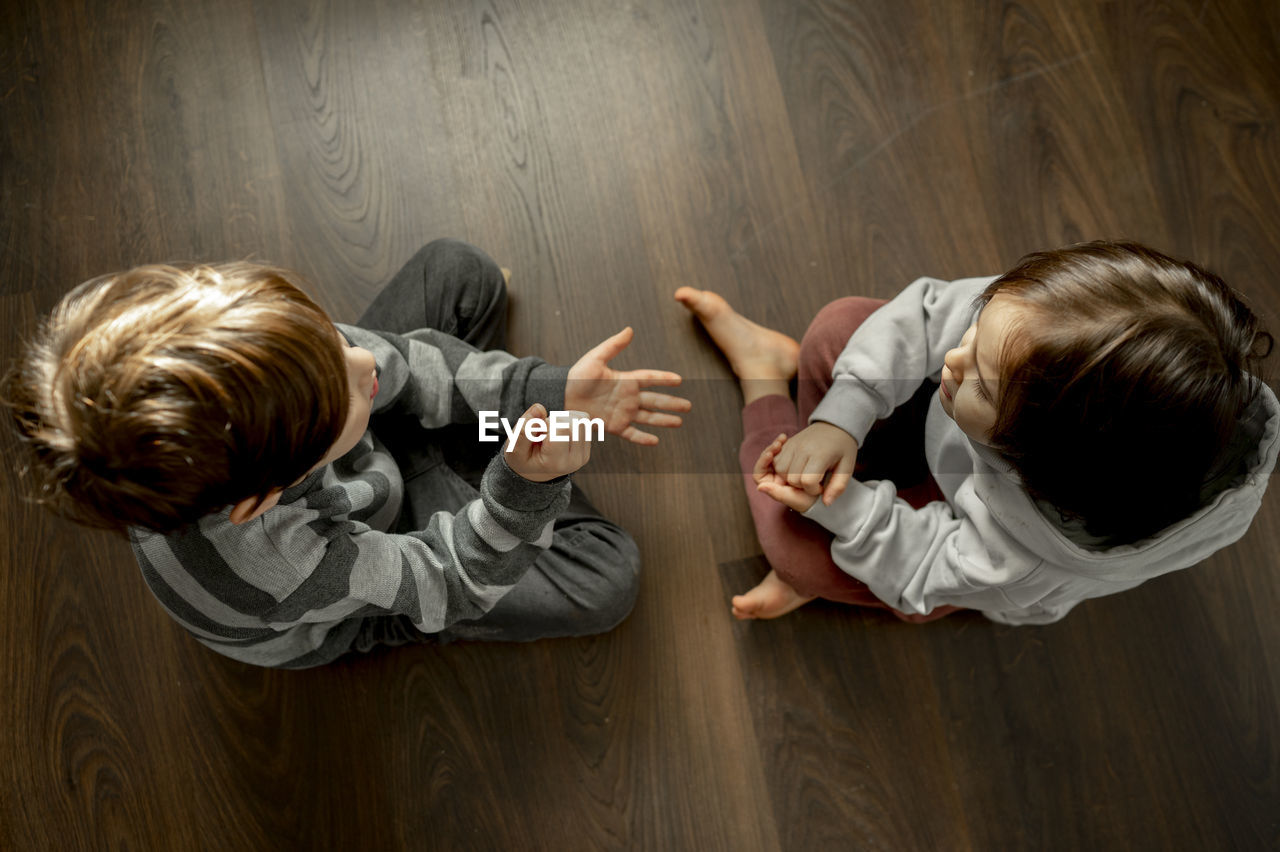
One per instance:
(291,588)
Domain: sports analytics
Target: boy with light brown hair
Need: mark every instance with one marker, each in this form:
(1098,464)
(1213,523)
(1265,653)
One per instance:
(295,489)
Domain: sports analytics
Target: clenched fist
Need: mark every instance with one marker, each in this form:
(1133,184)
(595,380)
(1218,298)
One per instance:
(545,459)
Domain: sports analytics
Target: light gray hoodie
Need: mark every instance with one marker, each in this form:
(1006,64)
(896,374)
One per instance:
(989,546)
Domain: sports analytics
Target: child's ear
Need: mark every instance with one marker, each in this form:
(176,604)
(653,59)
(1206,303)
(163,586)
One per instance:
(251,507)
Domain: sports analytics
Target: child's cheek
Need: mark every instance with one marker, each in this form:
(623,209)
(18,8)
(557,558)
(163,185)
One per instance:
(981,422)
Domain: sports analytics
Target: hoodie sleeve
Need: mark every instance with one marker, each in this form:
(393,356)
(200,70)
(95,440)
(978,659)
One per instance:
(918,559)
(440,379)
(900,345)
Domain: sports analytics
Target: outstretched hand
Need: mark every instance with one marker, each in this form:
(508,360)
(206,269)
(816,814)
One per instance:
(774,484)
(618,397)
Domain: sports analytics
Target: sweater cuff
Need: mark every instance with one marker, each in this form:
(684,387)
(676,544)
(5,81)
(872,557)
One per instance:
(849,405)
(546,385)
(850,511)
(516,494)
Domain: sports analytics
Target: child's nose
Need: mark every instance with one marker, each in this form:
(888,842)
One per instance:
(953,361)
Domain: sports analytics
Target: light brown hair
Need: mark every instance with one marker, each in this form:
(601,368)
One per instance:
(1125,381)
(157,395)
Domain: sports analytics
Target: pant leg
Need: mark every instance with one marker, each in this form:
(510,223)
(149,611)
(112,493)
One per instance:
(822,344)
(798,549)
(585,583)
(454,287)
(449,286)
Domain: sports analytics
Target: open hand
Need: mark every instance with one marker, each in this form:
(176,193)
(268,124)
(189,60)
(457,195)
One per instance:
(617,397)
(813,452)
(775,484)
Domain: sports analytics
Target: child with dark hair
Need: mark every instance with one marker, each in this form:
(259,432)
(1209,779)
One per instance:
(1086,421)
(294,489)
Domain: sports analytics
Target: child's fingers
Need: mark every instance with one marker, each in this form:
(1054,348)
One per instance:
(650,378)
(523,445)
(801,473)
(835,487)
(657,418)
(542,460)
(611,346)
(663,402)
(839,481)
(790,460)
(794,466)
(764,462)
(815,470)
(563,457)
(782,494)
(770,489)
(637,436)
(782,458)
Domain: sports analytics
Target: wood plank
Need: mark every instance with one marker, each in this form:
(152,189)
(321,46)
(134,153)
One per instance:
(783,153)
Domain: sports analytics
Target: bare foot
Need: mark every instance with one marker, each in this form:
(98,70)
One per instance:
(772,598)
(754,352)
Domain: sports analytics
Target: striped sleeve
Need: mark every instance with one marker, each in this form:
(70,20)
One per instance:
(289,588)
(441,380)
(462,563)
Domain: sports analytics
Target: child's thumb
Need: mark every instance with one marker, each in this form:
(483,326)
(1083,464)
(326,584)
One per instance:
(771,489)
(784,494)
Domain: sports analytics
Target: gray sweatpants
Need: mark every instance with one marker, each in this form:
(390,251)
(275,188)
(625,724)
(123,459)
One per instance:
(586,581)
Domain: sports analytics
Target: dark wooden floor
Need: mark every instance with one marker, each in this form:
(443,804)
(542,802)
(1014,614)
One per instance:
(784,152)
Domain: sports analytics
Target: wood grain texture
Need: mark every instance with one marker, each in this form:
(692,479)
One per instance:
(782,152)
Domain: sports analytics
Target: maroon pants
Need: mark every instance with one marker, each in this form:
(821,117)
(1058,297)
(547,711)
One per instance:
(798,549)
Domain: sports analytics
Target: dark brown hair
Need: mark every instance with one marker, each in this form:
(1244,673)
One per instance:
(154,396)
(1125,376)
